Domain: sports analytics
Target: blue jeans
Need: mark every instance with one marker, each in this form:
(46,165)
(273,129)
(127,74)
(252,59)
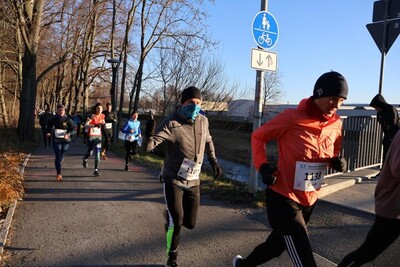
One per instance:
(59,149)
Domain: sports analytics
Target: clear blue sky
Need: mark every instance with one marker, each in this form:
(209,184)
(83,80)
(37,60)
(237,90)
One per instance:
(315,36)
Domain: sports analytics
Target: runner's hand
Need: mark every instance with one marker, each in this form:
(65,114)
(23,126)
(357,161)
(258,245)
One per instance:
(267,174)
(339,164)
(216,169)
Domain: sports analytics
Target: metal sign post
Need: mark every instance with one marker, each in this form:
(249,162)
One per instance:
(385,28)
(253,176)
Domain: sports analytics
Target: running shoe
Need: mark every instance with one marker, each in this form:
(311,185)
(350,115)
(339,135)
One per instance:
(84,163)
(59,177)
(127,167)
(171,263)
(96,173)
(236,261)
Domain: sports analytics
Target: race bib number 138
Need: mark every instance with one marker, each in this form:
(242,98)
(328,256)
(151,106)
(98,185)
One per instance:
(309,175)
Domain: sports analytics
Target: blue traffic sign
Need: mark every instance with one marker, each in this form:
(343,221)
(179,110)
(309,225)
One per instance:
(265,30)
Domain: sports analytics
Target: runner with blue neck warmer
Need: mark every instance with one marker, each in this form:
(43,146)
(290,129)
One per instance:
(186,134)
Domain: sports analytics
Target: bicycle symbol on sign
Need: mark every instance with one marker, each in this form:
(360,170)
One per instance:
(265,38)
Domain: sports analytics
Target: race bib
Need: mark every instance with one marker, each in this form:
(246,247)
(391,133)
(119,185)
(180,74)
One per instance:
(130,137)
(60,133)
(309,175)
(95,131)
(109,125)
(121,135)
(189,170)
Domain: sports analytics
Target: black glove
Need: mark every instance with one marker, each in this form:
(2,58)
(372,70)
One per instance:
(339,164)
(267,174)
(216,169)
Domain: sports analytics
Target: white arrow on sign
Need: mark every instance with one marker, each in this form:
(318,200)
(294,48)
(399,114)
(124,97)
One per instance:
(264,60)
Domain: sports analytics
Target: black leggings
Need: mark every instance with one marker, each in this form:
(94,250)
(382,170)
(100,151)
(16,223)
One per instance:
(131,149)
(46,139)
(288,220)
(383,233)
(106,142)
(183,205)
(94,145)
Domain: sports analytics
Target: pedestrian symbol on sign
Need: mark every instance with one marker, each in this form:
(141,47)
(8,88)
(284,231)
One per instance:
(265,30)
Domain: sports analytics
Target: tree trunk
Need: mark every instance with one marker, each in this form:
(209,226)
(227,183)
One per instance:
(3,108)
(26,122)
(138,85)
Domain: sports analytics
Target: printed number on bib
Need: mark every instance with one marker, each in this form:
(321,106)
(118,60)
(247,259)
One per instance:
(130,137)
(109,125)
(60,133)
(95,131)
(189,170)
(309,175)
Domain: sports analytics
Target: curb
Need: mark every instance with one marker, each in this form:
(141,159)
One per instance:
(10,214)
(6,227)
(329,189)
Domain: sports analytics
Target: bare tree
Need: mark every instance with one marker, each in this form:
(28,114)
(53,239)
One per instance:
(170,19)
(183,66)
(124,57)
(29,15)
(271,90)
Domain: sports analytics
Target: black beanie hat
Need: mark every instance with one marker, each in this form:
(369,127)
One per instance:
(331,84)
(189,93)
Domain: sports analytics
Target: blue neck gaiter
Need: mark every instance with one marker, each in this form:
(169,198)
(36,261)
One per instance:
(191,111)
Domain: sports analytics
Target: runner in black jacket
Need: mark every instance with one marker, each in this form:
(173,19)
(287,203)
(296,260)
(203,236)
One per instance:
(60,128)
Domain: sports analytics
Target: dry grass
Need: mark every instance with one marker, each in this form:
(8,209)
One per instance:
(12,154)
(11,186)
(232,145)
(235,145)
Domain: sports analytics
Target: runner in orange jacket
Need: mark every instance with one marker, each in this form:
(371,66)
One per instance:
(309,140)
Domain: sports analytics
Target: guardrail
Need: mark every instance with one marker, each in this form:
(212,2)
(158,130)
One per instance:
(362,145)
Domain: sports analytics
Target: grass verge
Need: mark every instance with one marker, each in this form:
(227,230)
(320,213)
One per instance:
(12,154)
(222,189)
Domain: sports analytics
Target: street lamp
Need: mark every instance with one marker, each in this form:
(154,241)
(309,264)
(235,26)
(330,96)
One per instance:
(113,92)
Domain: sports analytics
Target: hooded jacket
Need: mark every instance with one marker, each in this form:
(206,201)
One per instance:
(184,139)
(387,191)
(387,116)
(302,136)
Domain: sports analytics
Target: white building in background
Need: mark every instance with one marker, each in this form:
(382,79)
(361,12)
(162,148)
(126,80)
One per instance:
(242,110)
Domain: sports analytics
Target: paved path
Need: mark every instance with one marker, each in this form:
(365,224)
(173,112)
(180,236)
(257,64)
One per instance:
(116,220)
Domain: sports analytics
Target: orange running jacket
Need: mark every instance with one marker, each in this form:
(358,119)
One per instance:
(300,137)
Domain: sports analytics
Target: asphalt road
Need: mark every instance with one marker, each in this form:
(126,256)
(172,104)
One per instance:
(116,220)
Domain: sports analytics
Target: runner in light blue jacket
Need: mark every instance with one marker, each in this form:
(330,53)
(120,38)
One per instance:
(133,137)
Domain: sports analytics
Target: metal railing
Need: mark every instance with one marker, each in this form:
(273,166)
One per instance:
(362,142)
